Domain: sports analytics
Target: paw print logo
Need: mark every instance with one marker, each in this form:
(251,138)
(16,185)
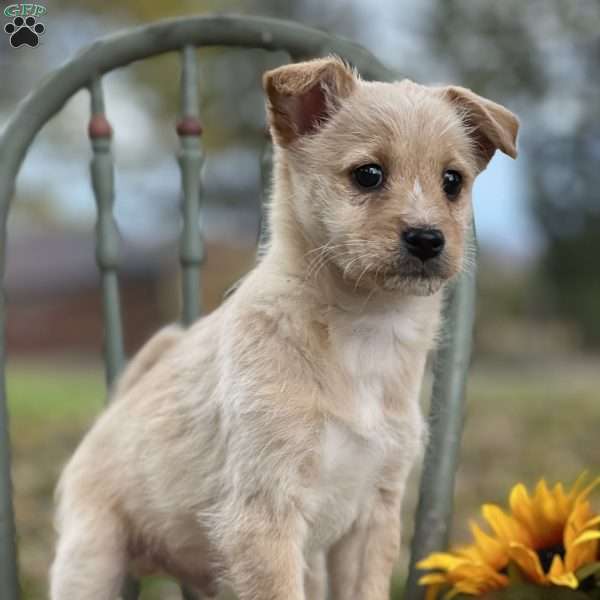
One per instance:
(24,31)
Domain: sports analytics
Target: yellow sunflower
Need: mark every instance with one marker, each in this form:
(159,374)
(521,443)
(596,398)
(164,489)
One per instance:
(548,536)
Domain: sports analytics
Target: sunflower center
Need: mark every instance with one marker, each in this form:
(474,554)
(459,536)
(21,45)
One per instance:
(546,555)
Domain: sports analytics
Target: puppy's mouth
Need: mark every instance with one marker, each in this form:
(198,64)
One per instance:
(417,277)
(398,271)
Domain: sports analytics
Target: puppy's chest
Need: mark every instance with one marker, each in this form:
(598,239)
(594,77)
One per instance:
(350,467)
(353,464)
(366,436)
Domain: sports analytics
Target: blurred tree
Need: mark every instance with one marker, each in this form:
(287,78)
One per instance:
(542,58)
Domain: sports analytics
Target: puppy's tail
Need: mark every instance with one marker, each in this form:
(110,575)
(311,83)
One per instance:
(147,357)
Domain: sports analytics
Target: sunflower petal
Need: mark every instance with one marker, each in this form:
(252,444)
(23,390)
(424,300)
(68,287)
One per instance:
(479,572)
(579,551)
(562,500)
(587,536)
(546,501)
(557,567)
(583,494)
(491,550)
(506,528)
(574,492)
(558,576)
(521,505)
(592,522)
(567,580)
(440,560)
(528,561)
(470,552)
(431,578)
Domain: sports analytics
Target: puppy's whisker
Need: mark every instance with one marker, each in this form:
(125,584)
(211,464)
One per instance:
(324,259)
(366,257)
(314,263)
(349,265)
(377,271)
(319,267)
(370,295)
(327,252)
(330,259)
(365,270)
(322,255)
(325,246)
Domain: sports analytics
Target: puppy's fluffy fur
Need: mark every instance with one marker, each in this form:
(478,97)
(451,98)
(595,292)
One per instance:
(272,440)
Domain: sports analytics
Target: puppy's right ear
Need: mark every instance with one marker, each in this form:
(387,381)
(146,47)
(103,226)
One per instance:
(302,96)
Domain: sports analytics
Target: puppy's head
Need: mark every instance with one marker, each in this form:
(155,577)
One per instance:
(379,175)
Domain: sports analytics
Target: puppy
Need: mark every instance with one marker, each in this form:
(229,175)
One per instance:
(272,440)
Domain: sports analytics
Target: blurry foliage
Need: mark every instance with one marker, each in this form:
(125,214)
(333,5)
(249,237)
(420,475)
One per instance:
(542,58)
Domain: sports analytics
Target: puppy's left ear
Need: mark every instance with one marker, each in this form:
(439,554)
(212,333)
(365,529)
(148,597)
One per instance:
(303,96)
(491,126)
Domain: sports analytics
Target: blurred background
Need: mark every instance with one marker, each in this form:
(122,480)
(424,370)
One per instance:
(535,386)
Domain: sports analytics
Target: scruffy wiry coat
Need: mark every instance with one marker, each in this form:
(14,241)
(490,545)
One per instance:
(271,441)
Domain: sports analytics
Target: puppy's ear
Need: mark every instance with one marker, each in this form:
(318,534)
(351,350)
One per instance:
(491,126)
(302,96)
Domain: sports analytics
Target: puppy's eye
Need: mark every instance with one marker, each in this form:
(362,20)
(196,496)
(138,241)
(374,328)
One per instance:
(451,183)
(368,177)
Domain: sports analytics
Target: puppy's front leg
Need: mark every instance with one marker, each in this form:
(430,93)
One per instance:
(264,555)
(381,547)
(344,562)
(315,578)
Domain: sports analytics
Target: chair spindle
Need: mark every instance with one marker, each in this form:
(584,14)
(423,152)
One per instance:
(190,157)
(107,236)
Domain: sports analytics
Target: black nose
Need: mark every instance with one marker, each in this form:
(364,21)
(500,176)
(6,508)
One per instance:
(423,243)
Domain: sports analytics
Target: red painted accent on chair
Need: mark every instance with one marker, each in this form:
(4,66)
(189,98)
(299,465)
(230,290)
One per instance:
(189,126)
(99,127)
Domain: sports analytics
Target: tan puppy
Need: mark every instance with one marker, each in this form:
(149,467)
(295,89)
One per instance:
(276,434)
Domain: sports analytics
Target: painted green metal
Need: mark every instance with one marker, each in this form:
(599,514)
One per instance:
(191,247)
(107,236)
(446,417)
(9,582)
(190,162)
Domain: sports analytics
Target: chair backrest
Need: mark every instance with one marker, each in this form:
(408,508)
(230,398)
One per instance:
(184,35)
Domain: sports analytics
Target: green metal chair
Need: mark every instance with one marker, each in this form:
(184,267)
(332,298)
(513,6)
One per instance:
(185,35)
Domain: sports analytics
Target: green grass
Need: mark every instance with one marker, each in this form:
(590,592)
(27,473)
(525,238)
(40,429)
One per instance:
(50,406)
(39,392)
(522,424)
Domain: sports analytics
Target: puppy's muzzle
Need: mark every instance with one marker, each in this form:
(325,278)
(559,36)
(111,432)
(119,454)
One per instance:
(423,243)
